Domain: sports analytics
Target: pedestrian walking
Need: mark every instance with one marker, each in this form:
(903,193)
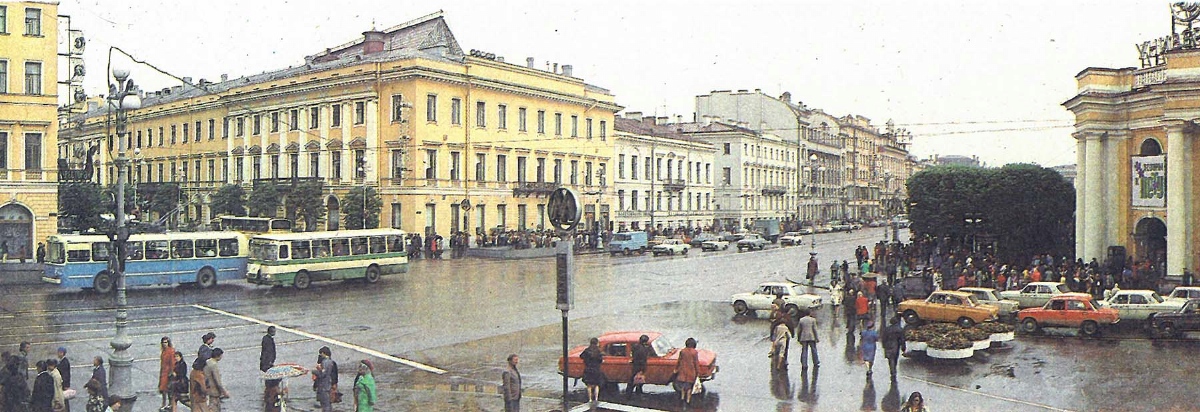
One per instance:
(59,403)
(862,309)
(779,347)
(813,268)
(915,403)
(637,376)
(868,340)
(42,398)
(893,344)
(212,378)
(266,356)
(41,252)
(22,356)
(511,385)
(884,293)
(687,369)
(592,376)
(199,384)
(323,384)
(364,386)
(166,365)
(95,402)
(806,334)
(64,370)
(178,387)
(100,375)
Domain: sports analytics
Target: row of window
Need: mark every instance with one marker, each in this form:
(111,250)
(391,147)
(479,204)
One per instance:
(501,168)
(674,169)
(702,201)
(179,171)
(160,250)
(33,21)
(33,77)
(274,119)
(481,117)
(32,146)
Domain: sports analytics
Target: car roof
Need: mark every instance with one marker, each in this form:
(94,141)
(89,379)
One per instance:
(975,288)
(627,336)
(775,284)
(1073,296)
(1186,288)
(1134,291)
(1045,283)
(953,292)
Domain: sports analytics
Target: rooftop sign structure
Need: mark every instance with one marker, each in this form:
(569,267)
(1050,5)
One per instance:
(1184,35)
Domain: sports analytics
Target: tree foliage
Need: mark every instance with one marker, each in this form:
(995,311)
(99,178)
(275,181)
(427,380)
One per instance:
(264,200)
(352,207)
(1026,208)
(229,200)
(80,205)
(306,201)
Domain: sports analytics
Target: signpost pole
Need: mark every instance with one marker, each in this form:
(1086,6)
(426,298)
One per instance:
(564,211)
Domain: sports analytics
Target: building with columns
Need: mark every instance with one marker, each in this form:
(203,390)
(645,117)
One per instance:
(29,33)
(451,140)
(1135,131)
(663,178)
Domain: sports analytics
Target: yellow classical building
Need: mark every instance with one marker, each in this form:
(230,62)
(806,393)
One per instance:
(28,125)
(451,140)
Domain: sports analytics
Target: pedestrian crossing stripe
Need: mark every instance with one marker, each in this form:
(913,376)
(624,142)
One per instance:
(614,407)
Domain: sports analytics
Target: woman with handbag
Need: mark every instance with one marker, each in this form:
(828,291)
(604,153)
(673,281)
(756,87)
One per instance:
(687,370)
(166,365)
(641,352)
(178,378)
(592,376)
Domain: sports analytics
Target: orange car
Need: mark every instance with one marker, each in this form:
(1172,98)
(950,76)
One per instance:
(618,360)
(947,306)
(1072,310)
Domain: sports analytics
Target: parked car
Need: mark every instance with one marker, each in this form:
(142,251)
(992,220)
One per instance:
(988,297)
(618,359)
(1139,305)
(1184,293)
(670,247)
(699,240)
(1071,310)
(760,299)
(715,244)
(627,242)
(791,239)
(806,230)
(751,241)
(914,286)
(947,306)
(733,237)
(840,227)
(1174,324)
(1036,294)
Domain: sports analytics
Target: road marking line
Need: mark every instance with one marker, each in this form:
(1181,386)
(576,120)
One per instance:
(1026,403)
(615,407)
(331,341)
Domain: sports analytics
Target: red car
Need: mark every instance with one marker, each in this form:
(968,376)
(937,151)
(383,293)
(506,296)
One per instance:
(1073,310)
(618,366)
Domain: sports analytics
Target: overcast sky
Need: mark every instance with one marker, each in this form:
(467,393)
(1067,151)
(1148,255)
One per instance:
(952,72)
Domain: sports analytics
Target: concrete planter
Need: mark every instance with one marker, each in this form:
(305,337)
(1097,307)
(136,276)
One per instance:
(950,353)
(915,346)
(981,344)
(1003,337)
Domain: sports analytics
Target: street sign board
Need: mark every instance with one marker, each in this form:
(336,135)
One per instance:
(564,209)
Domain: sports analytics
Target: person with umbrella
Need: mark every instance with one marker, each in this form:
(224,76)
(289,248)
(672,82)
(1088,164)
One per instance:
(276,392)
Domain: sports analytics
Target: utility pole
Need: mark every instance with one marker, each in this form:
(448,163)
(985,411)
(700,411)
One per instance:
(124,96)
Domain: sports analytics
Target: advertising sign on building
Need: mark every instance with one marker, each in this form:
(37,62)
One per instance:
(1149,181)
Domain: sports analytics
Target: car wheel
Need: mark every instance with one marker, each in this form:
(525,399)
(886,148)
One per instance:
(684,252)
(103,283)
(740,307)
(627,252)
(910,316)
(1090,328)
(965,322)
(1030,325)
(206,278)
(302,280)
(372,274)
(725,248)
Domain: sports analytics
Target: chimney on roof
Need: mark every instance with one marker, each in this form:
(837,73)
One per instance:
(786,97)
(633,115)
(372,41)
(742,91)
(758,90)
(500,59)
(224,77)
(555,70)
(529,62)
(661,120)
(187,80)
(679,119)
(568,70)
(708,120)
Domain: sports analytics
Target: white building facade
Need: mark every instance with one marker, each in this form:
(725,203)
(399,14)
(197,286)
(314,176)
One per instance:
(664,178)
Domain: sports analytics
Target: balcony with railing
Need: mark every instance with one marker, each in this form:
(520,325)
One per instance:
(674,184)
(534,188)
(284,182)
(774,190)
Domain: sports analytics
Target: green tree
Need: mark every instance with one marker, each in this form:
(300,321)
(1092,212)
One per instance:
(80,205)
(307,202)
(352,207)
(159,198)
(264,200)
(229,200)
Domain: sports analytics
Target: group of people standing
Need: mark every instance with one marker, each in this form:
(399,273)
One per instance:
(52,388)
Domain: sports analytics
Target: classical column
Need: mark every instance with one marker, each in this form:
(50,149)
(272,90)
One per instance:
(1094,199)
(1081,176)
(1113,174)
(1178,193)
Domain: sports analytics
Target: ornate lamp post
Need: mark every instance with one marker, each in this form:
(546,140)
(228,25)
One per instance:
(124,97)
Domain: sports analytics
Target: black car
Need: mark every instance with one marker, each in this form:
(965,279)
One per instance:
(1174,324)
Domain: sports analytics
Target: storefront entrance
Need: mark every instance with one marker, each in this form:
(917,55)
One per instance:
(16,231)
(1150,236)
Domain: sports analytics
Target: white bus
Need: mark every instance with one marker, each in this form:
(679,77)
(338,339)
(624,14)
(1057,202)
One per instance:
(298,259)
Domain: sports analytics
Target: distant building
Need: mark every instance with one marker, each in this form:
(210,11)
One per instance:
(1067,171)
(663,178)
(971,161)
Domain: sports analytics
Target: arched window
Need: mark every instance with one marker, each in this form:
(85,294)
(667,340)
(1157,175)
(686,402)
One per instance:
(1150,147)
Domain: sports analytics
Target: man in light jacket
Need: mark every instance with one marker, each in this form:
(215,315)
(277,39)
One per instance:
(511,386)
(806,334)
(212,378)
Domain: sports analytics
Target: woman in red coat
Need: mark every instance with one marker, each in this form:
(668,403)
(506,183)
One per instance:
(166,364)
(686,369)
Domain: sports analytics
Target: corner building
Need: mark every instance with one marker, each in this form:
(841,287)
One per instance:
(1135,137)
(452,141)
(28,124)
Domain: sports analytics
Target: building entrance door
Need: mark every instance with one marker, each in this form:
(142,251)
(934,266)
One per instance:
(1150,234)
(16,231)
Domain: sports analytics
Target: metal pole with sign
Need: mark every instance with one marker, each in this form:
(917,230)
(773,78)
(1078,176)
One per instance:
(564,210)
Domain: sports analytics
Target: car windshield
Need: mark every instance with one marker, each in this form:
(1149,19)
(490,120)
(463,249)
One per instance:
(1156,298)
(621,237)
(263,251)
(662,346)
(1062,287)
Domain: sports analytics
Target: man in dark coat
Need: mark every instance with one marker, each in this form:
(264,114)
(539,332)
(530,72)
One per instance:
(16,387)
(640,353)
(64,369)
(266,358)
(42,398)
(99,374)
(893,344)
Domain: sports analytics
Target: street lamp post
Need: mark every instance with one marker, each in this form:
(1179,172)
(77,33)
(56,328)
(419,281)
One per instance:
(124,96)
(362,172)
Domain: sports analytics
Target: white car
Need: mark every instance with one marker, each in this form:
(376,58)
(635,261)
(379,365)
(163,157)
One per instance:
(760,299)
(714,244)
(1140,304)
(670,247)
(791,239)
(988,296)
(1183,293)
(1036,294)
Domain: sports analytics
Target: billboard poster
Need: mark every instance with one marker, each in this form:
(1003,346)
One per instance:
(1149,181)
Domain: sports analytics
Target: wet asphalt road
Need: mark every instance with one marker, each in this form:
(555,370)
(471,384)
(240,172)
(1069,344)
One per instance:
(466,316)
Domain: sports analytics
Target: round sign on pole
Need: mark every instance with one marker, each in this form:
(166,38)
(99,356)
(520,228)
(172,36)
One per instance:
(564,209)
(466,204)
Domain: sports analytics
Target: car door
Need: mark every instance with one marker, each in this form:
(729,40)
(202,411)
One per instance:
(761,298)
(935,307)
(1028,296)
(1120,302)
(618,360)
(1054,313)
(1190,319)
(1137,308)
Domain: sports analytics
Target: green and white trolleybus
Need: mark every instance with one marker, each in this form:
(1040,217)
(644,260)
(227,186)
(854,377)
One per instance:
(298,259)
